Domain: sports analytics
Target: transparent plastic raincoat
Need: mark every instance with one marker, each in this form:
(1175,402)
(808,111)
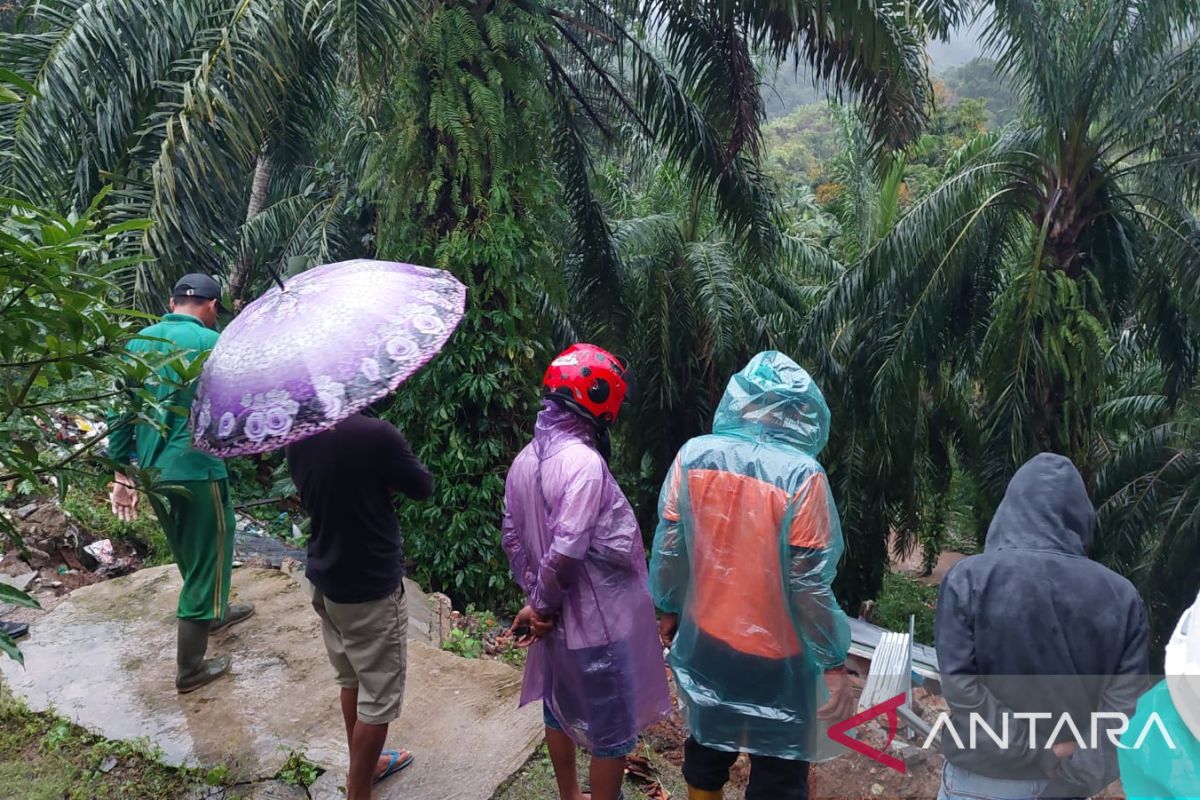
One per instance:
(746,550)
(1166,763)
(575,548)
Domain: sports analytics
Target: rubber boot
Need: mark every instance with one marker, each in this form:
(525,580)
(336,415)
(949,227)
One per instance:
(234,613)
(703,794)
(193,669)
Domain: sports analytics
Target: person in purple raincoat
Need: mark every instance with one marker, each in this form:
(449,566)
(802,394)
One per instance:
(574,547)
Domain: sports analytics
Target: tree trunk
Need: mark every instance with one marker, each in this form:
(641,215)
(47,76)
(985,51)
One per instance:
(240,277)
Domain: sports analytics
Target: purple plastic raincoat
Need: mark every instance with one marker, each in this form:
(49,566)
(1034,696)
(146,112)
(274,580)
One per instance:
(575,548)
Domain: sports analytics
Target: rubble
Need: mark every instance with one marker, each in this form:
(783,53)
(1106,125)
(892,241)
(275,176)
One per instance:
(20,582)
(910,754)
(53,552)
(253,546)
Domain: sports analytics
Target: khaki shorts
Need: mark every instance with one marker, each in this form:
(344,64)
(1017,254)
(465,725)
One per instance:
(367,646)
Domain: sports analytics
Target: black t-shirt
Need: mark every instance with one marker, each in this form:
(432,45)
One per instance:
(346,477)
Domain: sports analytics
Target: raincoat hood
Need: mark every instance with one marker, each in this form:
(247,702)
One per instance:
(775,398)
(1046,507)
(558,427)
(1183,668)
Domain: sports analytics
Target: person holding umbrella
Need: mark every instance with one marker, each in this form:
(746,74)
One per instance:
(346,477)
(575,549)
(198,518)
(308,367)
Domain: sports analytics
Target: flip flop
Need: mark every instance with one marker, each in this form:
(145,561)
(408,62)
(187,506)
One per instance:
(395,764)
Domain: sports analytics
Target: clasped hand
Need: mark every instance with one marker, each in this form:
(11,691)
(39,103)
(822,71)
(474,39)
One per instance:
(529,627)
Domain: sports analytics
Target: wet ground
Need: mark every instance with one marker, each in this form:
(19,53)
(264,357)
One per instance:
(104,657)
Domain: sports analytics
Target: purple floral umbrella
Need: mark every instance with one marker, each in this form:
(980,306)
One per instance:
(327,344)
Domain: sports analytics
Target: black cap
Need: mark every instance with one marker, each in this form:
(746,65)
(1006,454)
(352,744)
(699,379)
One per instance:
(198,285)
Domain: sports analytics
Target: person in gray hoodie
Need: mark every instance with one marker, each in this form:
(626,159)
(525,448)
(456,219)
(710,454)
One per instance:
(1032,627)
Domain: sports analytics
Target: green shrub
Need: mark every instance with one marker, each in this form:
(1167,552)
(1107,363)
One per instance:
(472,198)
(462,643)
(901,598)
(297,770)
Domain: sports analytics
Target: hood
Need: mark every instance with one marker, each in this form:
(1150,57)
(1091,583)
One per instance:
(774,398)
(1046,507)
(1183,668)
(558,427)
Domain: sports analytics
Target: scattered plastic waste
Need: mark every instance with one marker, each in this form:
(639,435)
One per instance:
(102,551)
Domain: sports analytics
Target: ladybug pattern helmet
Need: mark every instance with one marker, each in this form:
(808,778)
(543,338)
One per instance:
(589,380)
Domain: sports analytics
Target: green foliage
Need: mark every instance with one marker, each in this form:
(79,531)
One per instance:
(48,758)
(462,643)
(471,198)
(815,144)
(901,598)
(876,50)
(981,79)
(1148,495)
(688,308)
(217,776)
(495,118)
(62,343)
(1051,262)
(298,770)
(477,634)
(799,144)
(16,597)
(173,104)
(86,500)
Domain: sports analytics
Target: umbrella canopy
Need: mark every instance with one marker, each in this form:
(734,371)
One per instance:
(329,343)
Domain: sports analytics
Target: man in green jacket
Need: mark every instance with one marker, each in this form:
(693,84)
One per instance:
(198,518)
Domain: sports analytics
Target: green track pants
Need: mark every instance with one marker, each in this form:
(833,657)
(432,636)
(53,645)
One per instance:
(199,524)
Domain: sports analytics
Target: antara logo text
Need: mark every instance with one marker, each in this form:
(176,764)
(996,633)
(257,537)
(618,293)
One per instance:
(1109,723)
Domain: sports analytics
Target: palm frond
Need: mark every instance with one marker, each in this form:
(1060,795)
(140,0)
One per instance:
(874,50)
(178,100)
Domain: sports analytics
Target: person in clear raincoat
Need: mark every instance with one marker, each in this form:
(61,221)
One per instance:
(1163,762)
(575,548)
(744,556)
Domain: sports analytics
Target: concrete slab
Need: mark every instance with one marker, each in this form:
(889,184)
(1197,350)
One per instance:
(104,658)
(273,790)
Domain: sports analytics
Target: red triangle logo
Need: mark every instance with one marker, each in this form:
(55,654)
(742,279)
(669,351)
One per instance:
(838,732)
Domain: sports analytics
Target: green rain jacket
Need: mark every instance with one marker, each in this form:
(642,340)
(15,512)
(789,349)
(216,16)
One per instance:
(169,449)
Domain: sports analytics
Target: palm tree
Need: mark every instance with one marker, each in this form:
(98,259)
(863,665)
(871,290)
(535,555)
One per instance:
(1046,241)
(481,122)
(177,106)
(891,483)
(485,167)
(1014,296)
(1148,489)
(689,307)
(192,109)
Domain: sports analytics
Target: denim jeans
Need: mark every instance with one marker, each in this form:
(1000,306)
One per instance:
(961,784)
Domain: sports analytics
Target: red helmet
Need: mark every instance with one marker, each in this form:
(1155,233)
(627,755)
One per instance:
(589,380)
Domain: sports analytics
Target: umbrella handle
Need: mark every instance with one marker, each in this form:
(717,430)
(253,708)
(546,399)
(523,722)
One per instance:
(275,275)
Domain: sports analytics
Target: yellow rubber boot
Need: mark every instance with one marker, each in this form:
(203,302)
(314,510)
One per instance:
(702,794)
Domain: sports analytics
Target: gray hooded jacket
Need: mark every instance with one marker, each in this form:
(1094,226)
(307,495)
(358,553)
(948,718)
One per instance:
(1033,604)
